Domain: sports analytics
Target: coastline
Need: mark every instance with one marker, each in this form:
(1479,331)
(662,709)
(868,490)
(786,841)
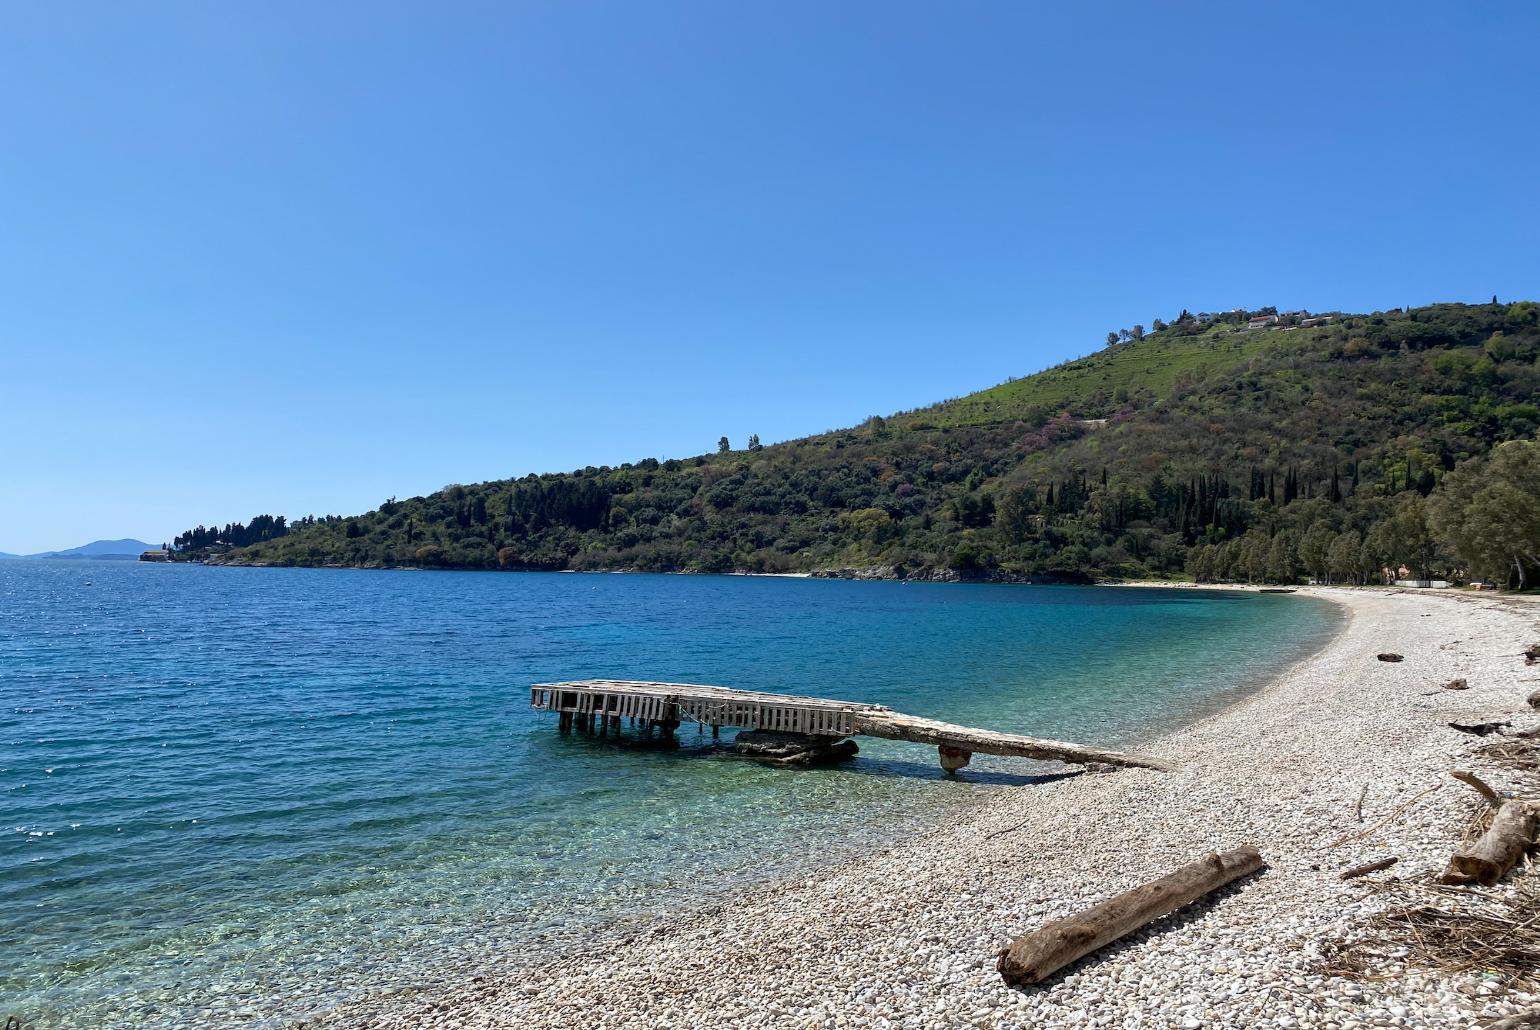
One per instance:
(1280,767)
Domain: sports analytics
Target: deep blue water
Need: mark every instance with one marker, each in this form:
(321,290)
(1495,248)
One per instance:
(236,796)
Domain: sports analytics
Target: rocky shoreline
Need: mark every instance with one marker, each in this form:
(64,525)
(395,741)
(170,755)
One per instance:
(1340,761)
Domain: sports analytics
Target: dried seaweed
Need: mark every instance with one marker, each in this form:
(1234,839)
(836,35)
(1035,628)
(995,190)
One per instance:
(1449,929)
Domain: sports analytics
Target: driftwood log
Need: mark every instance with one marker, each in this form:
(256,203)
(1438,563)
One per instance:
(1499,849)
(1518,1021)
(1035,956)
(1388,656)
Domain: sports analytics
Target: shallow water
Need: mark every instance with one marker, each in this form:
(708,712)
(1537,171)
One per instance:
(238,796)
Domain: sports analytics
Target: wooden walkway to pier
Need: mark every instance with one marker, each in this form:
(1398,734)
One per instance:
(601,707)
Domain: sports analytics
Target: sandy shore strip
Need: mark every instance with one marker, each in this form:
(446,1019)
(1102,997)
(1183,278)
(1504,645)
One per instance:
(908,936)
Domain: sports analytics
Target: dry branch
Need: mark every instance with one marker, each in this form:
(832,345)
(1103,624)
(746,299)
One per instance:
(1033,957)
(1367,868)
(1389,818)
(1492,797)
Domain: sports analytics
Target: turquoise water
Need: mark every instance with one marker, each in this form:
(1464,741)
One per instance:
(236,797)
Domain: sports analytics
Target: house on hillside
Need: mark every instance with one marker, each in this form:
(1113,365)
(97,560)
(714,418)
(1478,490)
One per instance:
(1306,323)
(155,554)
(1262,320)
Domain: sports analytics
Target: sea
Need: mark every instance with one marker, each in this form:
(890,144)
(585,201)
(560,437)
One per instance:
(245,797)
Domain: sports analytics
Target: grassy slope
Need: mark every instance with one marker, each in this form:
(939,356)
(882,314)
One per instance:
(1151,365)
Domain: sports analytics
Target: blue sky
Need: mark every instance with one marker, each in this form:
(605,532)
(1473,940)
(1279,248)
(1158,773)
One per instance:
(298,258)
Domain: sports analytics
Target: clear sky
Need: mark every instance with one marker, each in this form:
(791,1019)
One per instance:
(299,257)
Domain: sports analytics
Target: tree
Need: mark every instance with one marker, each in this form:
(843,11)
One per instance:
(1342,558)
(1487,511)
(1157,325)
(754,443)
(1137,332)
(1252,561)
(1315,551)
(1014,511)
(1414,546)
(723,446)
(1112,339)
(1282,560)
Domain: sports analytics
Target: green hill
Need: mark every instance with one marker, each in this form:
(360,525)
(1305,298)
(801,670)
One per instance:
(1205,448)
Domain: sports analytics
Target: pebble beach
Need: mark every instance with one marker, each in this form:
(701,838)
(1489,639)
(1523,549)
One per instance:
(1341,760)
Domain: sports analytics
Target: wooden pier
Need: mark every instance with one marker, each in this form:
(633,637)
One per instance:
(790,727)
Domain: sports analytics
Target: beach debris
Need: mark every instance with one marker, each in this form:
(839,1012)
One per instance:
(1534,699)
(1368,867)
(1492,797)
(1498,849)
(1395,813)
(1457,684)
(1033,957)
(1453,930)
(1515,752)
(1388,656)
(794,748)
(1532,654)
(1529,1020)
(1480,729)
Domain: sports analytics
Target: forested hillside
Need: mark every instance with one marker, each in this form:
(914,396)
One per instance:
(1204,447)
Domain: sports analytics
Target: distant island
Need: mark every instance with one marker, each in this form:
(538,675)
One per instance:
(1255,446)
(96,550)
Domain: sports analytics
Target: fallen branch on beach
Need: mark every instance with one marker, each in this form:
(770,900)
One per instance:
(1367,868)
(1499,849)
(1475,782)
(1033,957)
(1518,1021)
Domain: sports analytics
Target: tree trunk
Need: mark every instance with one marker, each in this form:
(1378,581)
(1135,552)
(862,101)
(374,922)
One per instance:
(1033,957)
(1510,835)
